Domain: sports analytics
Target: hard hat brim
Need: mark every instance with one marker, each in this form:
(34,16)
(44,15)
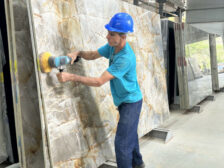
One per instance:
(108,27)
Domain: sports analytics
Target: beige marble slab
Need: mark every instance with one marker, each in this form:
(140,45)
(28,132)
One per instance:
(81,120)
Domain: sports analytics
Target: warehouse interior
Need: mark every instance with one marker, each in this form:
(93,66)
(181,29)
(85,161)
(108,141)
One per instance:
(179,46)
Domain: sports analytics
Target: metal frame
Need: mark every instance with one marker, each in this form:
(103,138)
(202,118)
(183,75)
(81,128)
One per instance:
(163,13)
(136,2)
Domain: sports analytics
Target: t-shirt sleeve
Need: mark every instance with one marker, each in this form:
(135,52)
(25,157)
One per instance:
(104,51)
(120,67)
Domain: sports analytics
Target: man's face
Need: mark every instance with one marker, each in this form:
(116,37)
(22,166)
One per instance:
(114,39)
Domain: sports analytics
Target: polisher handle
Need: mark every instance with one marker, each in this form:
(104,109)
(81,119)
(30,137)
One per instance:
(60,69)
(77,59)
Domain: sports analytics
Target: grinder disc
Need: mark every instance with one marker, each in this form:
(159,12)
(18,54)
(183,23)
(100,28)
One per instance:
(44,64)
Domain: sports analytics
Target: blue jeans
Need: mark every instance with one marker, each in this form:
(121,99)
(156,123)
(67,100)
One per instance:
(126,140)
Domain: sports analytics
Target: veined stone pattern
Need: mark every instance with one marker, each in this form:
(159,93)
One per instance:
(82,120)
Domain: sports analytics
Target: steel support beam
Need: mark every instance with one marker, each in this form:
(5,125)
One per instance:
(161,4)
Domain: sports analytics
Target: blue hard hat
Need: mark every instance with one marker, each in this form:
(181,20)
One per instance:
(121,23)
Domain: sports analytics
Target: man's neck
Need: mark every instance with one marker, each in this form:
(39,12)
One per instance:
(120,47)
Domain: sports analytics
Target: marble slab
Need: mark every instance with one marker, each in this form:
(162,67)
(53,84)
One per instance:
(223,40)
(221,80)
(220,62)
(3,140)
(81,121)
(197,50)
(27,116)
(197,56)
(190,72)
(13,75)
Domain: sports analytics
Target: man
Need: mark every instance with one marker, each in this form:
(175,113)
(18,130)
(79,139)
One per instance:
(124,87)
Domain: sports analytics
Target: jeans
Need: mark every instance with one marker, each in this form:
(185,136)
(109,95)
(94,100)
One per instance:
(126,140)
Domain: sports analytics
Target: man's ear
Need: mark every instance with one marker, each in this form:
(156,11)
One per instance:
(123,36)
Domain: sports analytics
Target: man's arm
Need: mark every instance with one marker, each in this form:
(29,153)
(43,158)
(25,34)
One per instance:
(89,81)
(88,55)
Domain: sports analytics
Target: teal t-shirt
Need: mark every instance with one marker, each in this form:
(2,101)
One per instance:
(124,87)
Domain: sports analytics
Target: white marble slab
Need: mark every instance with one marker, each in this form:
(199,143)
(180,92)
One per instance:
(197,53)
(221,80)
(199,89)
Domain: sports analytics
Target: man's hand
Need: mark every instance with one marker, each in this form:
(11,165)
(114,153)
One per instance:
(89,81)
(73,56)
(65,77)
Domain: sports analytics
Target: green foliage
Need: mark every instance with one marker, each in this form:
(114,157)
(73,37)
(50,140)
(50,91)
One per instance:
(199,51)
(220,50)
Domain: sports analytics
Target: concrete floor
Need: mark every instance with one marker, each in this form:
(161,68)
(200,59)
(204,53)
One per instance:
(198,139)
